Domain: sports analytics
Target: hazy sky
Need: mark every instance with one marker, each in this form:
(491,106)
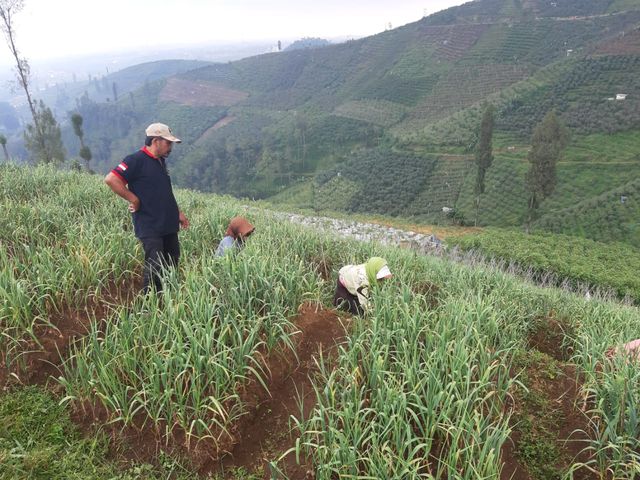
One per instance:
(48,29)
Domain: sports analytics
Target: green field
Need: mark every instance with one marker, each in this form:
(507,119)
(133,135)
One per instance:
(578,260)
(423,387)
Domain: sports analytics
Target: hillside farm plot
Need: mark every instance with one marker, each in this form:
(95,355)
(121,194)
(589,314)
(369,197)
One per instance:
(585,181)
(584,96)
(442,188)
(451,41)
(621,5)
(398,88)
(377,112)
(55,265)
(627,44)
(580,261)
(359,185)
(223,122)
(504,201)
(200,93)
(507,43)
(618,148)
(610,215)
(464,86)
(424,386)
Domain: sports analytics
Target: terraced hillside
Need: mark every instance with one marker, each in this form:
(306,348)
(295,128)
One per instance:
(276,125)
(606,217)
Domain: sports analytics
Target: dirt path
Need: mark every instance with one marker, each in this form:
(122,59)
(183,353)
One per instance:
(549,428)
(223,122)
(266,434)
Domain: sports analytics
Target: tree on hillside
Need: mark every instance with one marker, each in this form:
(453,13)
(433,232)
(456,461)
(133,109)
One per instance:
(85,154)
(549,138)
(37,137)
(76,122)
(85,151)
(3,142)
(45,145)
(484,152)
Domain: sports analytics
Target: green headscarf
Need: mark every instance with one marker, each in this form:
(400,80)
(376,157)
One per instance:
(372,267)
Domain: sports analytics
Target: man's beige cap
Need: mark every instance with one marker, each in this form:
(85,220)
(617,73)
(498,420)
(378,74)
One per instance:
(161,130)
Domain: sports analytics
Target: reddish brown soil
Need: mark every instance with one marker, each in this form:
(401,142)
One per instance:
(562,394)
(548,336)
(263,434)
(573,429)
(40,362)
(266,433)
(512,468)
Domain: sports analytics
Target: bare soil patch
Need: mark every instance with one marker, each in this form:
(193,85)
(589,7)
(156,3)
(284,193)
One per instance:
(266,433)
(40,360)
(549,428)
(629,44)
(200,93)
(548,336)
(263,434)
(512,468)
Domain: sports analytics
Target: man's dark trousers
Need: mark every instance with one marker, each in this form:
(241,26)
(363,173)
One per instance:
(159,253)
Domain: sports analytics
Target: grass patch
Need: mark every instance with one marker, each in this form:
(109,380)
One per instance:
(39,441)
(602,147)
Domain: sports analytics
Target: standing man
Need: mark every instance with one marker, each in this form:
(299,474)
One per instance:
(143,181)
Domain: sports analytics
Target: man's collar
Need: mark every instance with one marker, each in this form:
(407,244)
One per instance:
(148,152)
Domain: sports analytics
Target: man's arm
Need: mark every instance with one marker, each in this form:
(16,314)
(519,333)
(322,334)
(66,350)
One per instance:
(120,188)
(184,221)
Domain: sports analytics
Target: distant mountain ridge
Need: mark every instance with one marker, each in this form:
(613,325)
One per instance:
(308,127)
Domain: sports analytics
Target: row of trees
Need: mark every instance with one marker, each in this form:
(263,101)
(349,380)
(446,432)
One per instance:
(549,138)
(42,137)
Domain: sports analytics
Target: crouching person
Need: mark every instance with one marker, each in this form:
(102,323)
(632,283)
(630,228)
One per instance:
(237,232)
(355,283)
(631,350)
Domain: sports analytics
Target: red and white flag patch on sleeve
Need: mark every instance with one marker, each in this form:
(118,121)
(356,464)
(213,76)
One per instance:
(122,166)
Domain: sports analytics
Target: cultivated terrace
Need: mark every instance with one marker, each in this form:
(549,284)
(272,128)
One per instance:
(242,368)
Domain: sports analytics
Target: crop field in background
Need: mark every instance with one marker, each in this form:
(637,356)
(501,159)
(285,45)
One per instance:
(450,376)
(577,260)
